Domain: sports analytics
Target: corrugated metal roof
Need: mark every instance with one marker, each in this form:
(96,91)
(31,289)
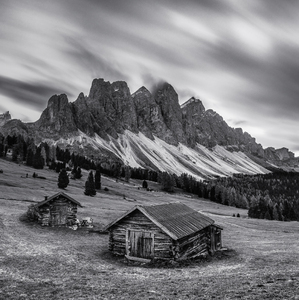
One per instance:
(57,195)
(176,219)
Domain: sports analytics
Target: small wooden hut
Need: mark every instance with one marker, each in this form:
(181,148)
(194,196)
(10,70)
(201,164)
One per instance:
(170,231)
(57,210)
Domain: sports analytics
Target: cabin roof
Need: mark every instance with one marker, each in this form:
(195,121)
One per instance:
(175,219)
(56,196)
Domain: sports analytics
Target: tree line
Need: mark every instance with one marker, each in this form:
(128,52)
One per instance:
(273,196)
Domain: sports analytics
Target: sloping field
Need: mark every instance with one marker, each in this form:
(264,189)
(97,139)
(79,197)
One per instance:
(47,263)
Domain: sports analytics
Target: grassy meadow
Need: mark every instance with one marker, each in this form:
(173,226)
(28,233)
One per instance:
(262,261)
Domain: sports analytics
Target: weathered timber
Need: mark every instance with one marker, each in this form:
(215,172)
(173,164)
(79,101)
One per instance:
(139,259)
(137,234)
(195,255)
(57,210)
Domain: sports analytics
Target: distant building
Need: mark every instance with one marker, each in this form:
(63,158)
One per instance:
(166,231)
(57,210)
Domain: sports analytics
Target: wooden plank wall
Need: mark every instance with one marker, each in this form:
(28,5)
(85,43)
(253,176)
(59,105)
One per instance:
(193,246)
(163,244)
(165,247)
(217,238)
(45,211)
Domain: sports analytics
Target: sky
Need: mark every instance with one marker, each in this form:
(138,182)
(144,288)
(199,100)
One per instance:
(241,58)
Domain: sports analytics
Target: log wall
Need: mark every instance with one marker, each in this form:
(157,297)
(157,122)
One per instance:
(68,214)
(163,244)
(194,245)
(200,243)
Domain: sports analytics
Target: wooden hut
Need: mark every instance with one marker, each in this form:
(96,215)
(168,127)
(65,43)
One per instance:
(57,210)
(170,231)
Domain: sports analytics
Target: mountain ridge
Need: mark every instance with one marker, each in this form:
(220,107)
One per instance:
(110,111)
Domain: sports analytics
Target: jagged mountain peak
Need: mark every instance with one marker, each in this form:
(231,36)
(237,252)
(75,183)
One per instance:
(97,85)
(4,118)
(57,119)
(213,114)
(192,101)
(193,107)
(141,90)
(58,100)
(101,88)
(166,90)
(81,96)
(110,114)
(167,99)
(57,104)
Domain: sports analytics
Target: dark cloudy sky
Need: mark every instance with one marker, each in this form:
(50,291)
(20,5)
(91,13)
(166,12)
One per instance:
(241,58)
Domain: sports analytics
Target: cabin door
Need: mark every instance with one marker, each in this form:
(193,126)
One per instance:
(58,215)
(140,244)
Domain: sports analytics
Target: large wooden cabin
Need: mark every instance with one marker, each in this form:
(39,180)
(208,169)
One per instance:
(57,210)
(170,231)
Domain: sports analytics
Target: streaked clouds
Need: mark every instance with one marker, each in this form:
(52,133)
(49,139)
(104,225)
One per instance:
(27,93)
(240,58)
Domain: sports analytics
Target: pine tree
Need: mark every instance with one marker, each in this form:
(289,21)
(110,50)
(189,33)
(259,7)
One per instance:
(267,215)
(38,161)
(52,153)
(1,144)
(144,184)
(243,202)
(1,149)
(89,186)
(253,211)
(15,152)
(116,169)
(29,157)
(275,212)
(232,196)
(43,154)
(167,181)
(74,170)
(78,173)
(97,179)
(63,179)
(218,193)
(127,173)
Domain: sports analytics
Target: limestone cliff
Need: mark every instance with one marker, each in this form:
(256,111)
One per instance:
(4,118)
(109,110)
(57,119)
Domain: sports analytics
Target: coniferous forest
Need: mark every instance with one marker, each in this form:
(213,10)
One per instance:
(273,196)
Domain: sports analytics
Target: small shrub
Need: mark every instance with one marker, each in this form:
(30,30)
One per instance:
(144,184)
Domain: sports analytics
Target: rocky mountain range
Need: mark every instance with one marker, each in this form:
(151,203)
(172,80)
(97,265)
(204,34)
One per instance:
(147,128)
(4,118)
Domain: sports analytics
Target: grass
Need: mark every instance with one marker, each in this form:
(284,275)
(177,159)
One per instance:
(59,263)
